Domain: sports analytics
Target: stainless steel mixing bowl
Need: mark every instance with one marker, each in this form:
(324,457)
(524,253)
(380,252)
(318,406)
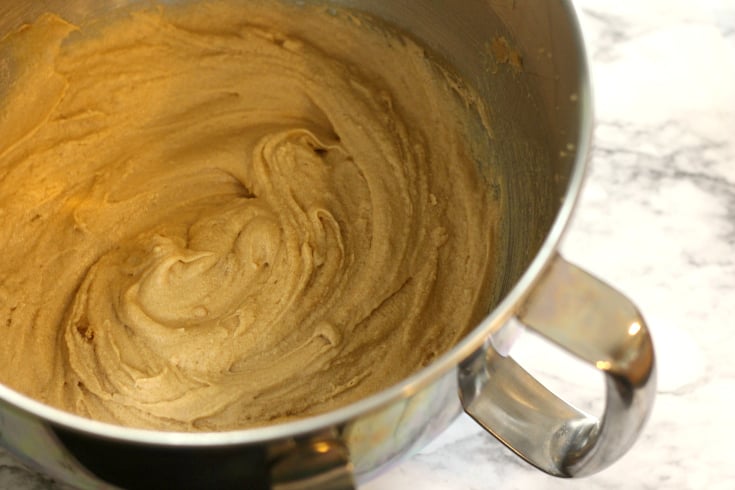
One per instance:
(542,119)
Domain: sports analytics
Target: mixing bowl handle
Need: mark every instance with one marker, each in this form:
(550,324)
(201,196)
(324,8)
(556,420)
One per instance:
(600,326)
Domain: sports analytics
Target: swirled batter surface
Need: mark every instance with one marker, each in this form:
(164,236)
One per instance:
(219,216)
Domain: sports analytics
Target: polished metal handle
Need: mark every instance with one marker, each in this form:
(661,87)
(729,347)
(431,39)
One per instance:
(600,326)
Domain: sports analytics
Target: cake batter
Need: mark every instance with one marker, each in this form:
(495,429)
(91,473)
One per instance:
(221,216)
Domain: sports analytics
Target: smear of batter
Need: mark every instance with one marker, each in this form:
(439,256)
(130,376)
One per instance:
(221,216)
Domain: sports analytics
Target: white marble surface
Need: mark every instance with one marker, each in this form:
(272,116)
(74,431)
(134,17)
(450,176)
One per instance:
(657,220)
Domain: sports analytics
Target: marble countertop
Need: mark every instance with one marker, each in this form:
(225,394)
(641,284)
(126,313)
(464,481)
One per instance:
(656,220)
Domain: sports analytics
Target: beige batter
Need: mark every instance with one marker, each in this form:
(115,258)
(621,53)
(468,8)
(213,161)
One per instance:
(219,216)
